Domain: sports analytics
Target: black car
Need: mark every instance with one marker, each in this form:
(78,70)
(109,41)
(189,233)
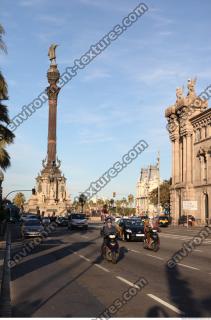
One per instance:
(131,229)
(62,221)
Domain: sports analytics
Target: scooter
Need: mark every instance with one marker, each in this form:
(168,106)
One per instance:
(155,241)
(111,249)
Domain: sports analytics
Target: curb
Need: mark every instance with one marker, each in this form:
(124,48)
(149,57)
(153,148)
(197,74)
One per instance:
(5,299)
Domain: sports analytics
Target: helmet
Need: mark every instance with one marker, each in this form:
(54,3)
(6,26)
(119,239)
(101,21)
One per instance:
(108,220)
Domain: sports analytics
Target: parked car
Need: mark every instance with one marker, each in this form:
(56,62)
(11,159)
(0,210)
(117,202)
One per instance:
(62,221)
(78,220)
(183,219)
(32,228)
(28,216)
(130,229)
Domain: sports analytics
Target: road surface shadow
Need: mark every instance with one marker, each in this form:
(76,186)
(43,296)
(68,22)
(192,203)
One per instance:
(182,295)
(122,252)
(157,312)
(27,266)
(27,309)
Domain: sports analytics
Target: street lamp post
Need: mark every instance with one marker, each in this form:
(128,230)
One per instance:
(158,167)
(1,180)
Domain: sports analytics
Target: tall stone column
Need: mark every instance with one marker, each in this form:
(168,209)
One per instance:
(176,160)
(184,159)
(189,158)
(173,161)
(52,91)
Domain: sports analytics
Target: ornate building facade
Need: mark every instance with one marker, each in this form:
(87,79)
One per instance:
(189,126)
(148,181)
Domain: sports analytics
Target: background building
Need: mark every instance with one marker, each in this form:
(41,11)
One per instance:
(189,126)
(148,181)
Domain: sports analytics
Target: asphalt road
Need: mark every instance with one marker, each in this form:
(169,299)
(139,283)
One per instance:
(66,277)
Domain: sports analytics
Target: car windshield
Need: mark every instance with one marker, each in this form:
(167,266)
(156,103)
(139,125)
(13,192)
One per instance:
(33,222)
(78,216)
(32,217)
(133,223)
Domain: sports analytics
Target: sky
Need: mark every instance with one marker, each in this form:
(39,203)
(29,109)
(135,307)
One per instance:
(116,100)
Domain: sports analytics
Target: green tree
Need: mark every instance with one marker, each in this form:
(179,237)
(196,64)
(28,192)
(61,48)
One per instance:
(100,203)
(164,194)
(19,199)
(6,135)
(130,199)
(82,200)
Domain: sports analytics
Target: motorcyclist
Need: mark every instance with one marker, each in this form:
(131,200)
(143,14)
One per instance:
(148,231)
(108,229)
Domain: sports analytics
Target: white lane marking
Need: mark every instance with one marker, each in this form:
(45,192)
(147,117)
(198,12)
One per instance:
(166,304)
(186,266)
(99,266)
(128,282)
(134,251)
(197,250)
(85,258)
(51,244)
(85,237)
(150,255)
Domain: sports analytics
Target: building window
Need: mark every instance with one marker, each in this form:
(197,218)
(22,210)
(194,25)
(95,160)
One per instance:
(198,135)
(205,132)
(204,169)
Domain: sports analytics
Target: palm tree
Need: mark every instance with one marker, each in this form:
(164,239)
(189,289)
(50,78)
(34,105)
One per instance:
(82,200)
(19,199)
(2,44)
(6,136)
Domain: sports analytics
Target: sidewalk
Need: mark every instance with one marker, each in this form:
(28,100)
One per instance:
(2,254)
(5,273)
(181,227)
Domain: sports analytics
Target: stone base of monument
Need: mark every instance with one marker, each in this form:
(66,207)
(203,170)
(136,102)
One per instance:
(51,192)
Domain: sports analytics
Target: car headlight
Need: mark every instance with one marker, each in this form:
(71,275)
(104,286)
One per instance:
(128,230)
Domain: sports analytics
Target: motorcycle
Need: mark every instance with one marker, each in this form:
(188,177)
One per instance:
(111,249)
(155,241)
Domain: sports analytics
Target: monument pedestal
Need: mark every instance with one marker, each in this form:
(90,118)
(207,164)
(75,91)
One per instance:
(51,192)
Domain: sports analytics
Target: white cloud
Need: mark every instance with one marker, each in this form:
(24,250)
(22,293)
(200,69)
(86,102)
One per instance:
(156,75)
(91,137)
(52,20)
(31,3)
(108,5)
(96,74)
(165,33)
